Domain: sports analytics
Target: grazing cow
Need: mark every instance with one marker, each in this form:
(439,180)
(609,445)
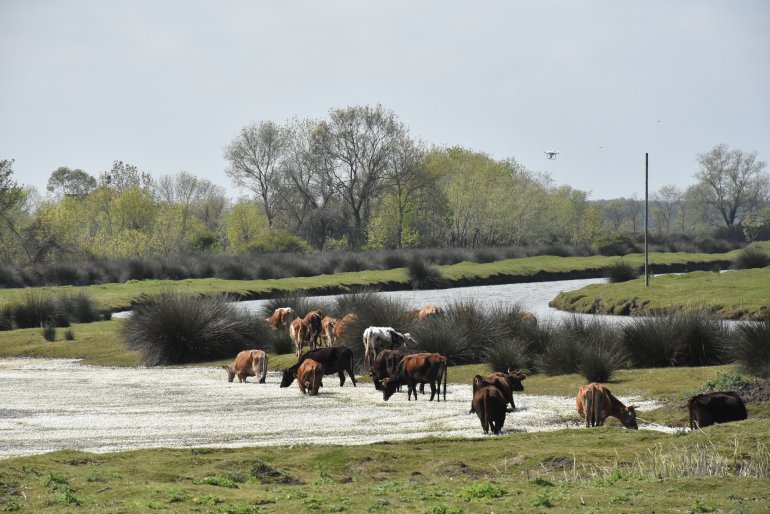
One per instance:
(595,402)
(505,382)
(377,339)
(384,366)
(281,318)
(428,311)
(707,409)
(248,363)
(310,377)
(327,327)
(489,404)
(335,359)
(416,369)
(341,324)
(529,317)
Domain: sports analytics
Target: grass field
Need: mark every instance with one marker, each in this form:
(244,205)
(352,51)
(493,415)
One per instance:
(740,294)
(119,296)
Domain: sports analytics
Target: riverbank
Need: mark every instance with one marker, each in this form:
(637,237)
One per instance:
(736,295)
(121,296)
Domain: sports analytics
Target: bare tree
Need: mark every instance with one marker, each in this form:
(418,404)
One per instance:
(122,177)
(666,199)
(358,143)
(256,156)
(731,182)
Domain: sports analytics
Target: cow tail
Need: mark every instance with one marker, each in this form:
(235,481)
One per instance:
(689,408)
(352,371)
(264,367)
(588,409)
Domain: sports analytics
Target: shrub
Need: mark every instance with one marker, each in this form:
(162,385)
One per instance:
(621,271)
(49,333)
(438,335)
(751,347)
(280,342)
(37,309)
(479,330)
(751,257)
(78,307)
(508,354)
(615,244)
(423,276)
(69,334)
(177,328)
(560,356)
(723,382)
(6,318)
(601,359)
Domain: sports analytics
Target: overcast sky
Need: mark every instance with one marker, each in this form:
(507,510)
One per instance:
(165,85)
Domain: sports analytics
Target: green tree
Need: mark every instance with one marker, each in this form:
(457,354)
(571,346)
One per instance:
(245,226)
(65,181)
(11,202)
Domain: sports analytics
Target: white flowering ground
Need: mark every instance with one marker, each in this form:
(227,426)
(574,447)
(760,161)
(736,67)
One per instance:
(48,405)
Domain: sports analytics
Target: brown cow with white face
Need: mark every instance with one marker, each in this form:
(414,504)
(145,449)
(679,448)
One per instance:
(248,363)
(310,377)
(595,403)
(281,318)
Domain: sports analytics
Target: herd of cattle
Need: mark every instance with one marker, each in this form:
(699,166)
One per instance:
(390,369)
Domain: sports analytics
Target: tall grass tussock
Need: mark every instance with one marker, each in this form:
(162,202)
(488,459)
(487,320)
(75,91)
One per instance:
(178,328)
(750,347)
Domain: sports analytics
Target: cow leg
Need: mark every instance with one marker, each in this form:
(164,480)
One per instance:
(432,391)
(341,374)
(411,386)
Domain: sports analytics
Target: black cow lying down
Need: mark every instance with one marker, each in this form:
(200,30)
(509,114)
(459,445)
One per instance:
(710,408)
(334,359)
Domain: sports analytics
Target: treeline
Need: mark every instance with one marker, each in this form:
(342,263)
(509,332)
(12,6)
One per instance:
(357,180)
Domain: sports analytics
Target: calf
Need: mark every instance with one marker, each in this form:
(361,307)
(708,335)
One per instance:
(248,363)
(384,366)
(335,359)
(377,339)
(281,318)
(309,377)
(595,403)
(505,382)
(707,409)
(489,404)
(415,369)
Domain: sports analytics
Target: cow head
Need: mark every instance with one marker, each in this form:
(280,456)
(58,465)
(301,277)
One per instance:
(230,372)
(515,378)
(628,417)
(389,387)
(287,378)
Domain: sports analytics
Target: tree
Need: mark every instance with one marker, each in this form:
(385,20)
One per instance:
(65,181)
(731,183)
(666,200)
(125,176)
(11,199)
(255,157)
(358,145)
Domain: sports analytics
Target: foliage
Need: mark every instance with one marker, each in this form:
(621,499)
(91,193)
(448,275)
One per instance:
(724,382)
(422,276)
(750,347)
(751,257)
(177,328)
(49,333)
(621,271)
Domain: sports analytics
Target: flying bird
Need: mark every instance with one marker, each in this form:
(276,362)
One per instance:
(551,154)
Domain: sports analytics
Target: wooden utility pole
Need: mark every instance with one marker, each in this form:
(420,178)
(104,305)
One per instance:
(646,206)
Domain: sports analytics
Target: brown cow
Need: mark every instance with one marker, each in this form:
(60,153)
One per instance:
(489,403)
(505,382)
(309,377)
(313,320)
(595,403)
(335,359)
(710,408)
(341,324)
(416,369)
(248,363)
(428,311)
(298,332)
(327,327)
(281,318)
(384,366)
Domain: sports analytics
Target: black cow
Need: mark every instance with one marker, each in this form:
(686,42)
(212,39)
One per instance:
(334,359)
(384,366)
(710,408)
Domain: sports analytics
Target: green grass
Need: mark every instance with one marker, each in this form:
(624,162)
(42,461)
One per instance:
(599,470)
(740,294)
(119,296)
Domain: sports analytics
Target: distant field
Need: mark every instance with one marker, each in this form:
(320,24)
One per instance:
(741,294)
(119,296)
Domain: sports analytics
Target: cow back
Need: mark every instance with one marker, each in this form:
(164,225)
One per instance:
(719,407)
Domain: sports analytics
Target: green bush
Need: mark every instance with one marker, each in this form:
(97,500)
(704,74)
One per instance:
(36,309)
(751,347)
(49,333)
(621,271)
(177,328)
(423,276)
(751,257)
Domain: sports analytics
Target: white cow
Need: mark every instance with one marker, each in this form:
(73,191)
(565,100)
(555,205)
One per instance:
(377,339)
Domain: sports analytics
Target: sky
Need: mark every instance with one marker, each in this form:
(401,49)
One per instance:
(165,85)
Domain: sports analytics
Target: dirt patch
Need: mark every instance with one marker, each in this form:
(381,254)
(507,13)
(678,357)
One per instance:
(65,405)
(756,391)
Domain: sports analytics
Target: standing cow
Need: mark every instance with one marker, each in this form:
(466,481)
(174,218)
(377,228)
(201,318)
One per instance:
(385,365)
(505,382)
(416,369)
(335,359)
(248,363)
(377,339)
(710,408)
(310,377)
(281,318)
(595,403)
(327,329)
(489,404)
